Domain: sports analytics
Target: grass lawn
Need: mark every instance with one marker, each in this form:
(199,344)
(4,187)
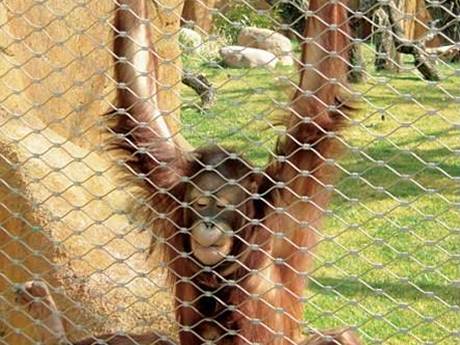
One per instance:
(388,260)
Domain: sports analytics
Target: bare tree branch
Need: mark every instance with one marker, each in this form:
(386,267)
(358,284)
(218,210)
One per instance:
(402,44)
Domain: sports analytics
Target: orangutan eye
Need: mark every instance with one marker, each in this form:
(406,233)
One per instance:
(202,202)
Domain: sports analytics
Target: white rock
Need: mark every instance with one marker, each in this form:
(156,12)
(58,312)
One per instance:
(243,57)
(190,41)
(269,40)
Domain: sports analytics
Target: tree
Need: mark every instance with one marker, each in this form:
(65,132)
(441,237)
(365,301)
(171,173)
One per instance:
(292,14)
(403,45)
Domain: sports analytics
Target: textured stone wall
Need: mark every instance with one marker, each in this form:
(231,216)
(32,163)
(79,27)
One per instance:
(58,62)
(61,209)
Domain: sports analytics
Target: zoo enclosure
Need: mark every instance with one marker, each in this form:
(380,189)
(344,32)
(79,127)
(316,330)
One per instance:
(387,258)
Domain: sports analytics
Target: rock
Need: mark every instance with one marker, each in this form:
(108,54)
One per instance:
(63,69)
(269,40)
(63,221)
(190,41)
(244,57)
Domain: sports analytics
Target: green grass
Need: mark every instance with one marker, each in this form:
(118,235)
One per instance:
(388,259)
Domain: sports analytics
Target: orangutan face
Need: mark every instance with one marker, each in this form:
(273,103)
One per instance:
(215,216)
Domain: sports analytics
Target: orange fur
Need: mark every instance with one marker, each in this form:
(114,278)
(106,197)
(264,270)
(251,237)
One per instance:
(333,337)
(264,306)
(307,147)
(256,299)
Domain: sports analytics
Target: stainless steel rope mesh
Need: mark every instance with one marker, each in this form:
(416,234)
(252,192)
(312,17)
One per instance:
(95,230)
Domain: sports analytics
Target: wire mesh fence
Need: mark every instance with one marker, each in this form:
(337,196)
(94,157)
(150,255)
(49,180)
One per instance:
(229,172)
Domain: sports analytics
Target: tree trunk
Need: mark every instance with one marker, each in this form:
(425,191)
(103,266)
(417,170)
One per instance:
(414,48)
(385,51)
(402,44)
(199,13)
(293,15)
(357,71)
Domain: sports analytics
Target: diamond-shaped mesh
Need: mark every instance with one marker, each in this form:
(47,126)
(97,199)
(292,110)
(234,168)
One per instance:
(230,172)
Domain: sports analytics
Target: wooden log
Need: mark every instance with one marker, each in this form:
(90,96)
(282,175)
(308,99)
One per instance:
(202,86)
(447,53)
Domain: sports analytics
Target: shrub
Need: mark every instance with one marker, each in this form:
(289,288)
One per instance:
(238,15)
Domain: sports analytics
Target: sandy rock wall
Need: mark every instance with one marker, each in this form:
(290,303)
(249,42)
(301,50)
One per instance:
(56,54)
(62,220)
(62,213)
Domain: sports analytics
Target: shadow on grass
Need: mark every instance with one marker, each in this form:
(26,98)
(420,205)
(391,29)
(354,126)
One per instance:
(439,134)
(397,162)
(250,90)
(399,76)
(351,288)
(428,101)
